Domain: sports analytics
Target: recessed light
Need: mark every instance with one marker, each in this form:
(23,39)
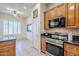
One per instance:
(20,12)
(25,7)
(10,9)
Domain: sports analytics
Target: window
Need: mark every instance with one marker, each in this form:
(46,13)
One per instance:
(5,27)
(15,27)
(11,27)
(19,28)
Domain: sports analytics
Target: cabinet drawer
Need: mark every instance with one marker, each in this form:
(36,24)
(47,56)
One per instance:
(10,43)
(43,45)
(70,46)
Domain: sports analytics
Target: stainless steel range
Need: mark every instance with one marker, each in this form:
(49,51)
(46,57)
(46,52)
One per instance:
(54,44)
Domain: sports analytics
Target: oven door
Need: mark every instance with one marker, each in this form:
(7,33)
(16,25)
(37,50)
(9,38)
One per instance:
(54,50)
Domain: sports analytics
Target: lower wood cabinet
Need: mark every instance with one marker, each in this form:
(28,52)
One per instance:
(43,44)
(71,49)
(8,48)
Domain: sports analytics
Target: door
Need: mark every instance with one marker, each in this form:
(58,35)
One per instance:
(36,34)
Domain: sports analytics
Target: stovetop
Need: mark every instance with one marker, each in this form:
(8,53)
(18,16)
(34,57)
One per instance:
(56,35)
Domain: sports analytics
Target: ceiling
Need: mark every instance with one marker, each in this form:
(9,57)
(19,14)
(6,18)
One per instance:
(21,7)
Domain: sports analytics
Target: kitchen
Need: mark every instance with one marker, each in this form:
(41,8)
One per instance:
(60,33)
(54,31)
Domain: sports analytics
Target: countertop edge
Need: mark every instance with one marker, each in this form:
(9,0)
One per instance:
(8,40)
(71,43)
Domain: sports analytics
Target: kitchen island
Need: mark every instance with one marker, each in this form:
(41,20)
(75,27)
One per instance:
(7,46)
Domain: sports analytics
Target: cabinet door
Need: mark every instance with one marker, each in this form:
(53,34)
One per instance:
(72,15)
(8,48)
(8,51)
(46,18)
(71,50)
(61,10)
(53,13)
(43,45)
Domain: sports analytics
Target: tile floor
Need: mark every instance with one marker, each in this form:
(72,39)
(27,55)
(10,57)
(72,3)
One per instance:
(25,48)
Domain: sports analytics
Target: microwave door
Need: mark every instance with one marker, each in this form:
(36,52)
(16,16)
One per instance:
(56,24)
(62,22)
(52,24)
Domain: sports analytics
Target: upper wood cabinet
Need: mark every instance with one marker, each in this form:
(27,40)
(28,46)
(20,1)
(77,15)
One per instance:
(52,13)
(46,18)
(70,11)
(61,10)
(72,15)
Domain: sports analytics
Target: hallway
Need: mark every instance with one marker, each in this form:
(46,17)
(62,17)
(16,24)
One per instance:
(25,48)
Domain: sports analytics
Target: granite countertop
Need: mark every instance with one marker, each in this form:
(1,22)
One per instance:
(2,39)
(75,42)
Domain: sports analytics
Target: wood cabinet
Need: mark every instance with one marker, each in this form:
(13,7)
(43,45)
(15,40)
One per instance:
(72,15)
(52,13)
(70,11)
(71,49)
(43,44)
(46,18)
(61,10)
(8,48)
(56,12)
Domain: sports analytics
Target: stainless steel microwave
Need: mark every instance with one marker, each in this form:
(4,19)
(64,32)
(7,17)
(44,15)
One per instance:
(58,22)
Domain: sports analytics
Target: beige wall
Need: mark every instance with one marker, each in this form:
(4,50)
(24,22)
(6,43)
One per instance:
(52,5)
(64,30)
(42,9)
(5,16)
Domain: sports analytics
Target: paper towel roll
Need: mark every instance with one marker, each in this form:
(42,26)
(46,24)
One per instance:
(70,36)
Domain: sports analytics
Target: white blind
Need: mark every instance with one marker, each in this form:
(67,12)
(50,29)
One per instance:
(11,27)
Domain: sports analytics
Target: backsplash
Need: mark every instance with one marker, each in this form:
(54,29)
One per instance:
(64,30)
